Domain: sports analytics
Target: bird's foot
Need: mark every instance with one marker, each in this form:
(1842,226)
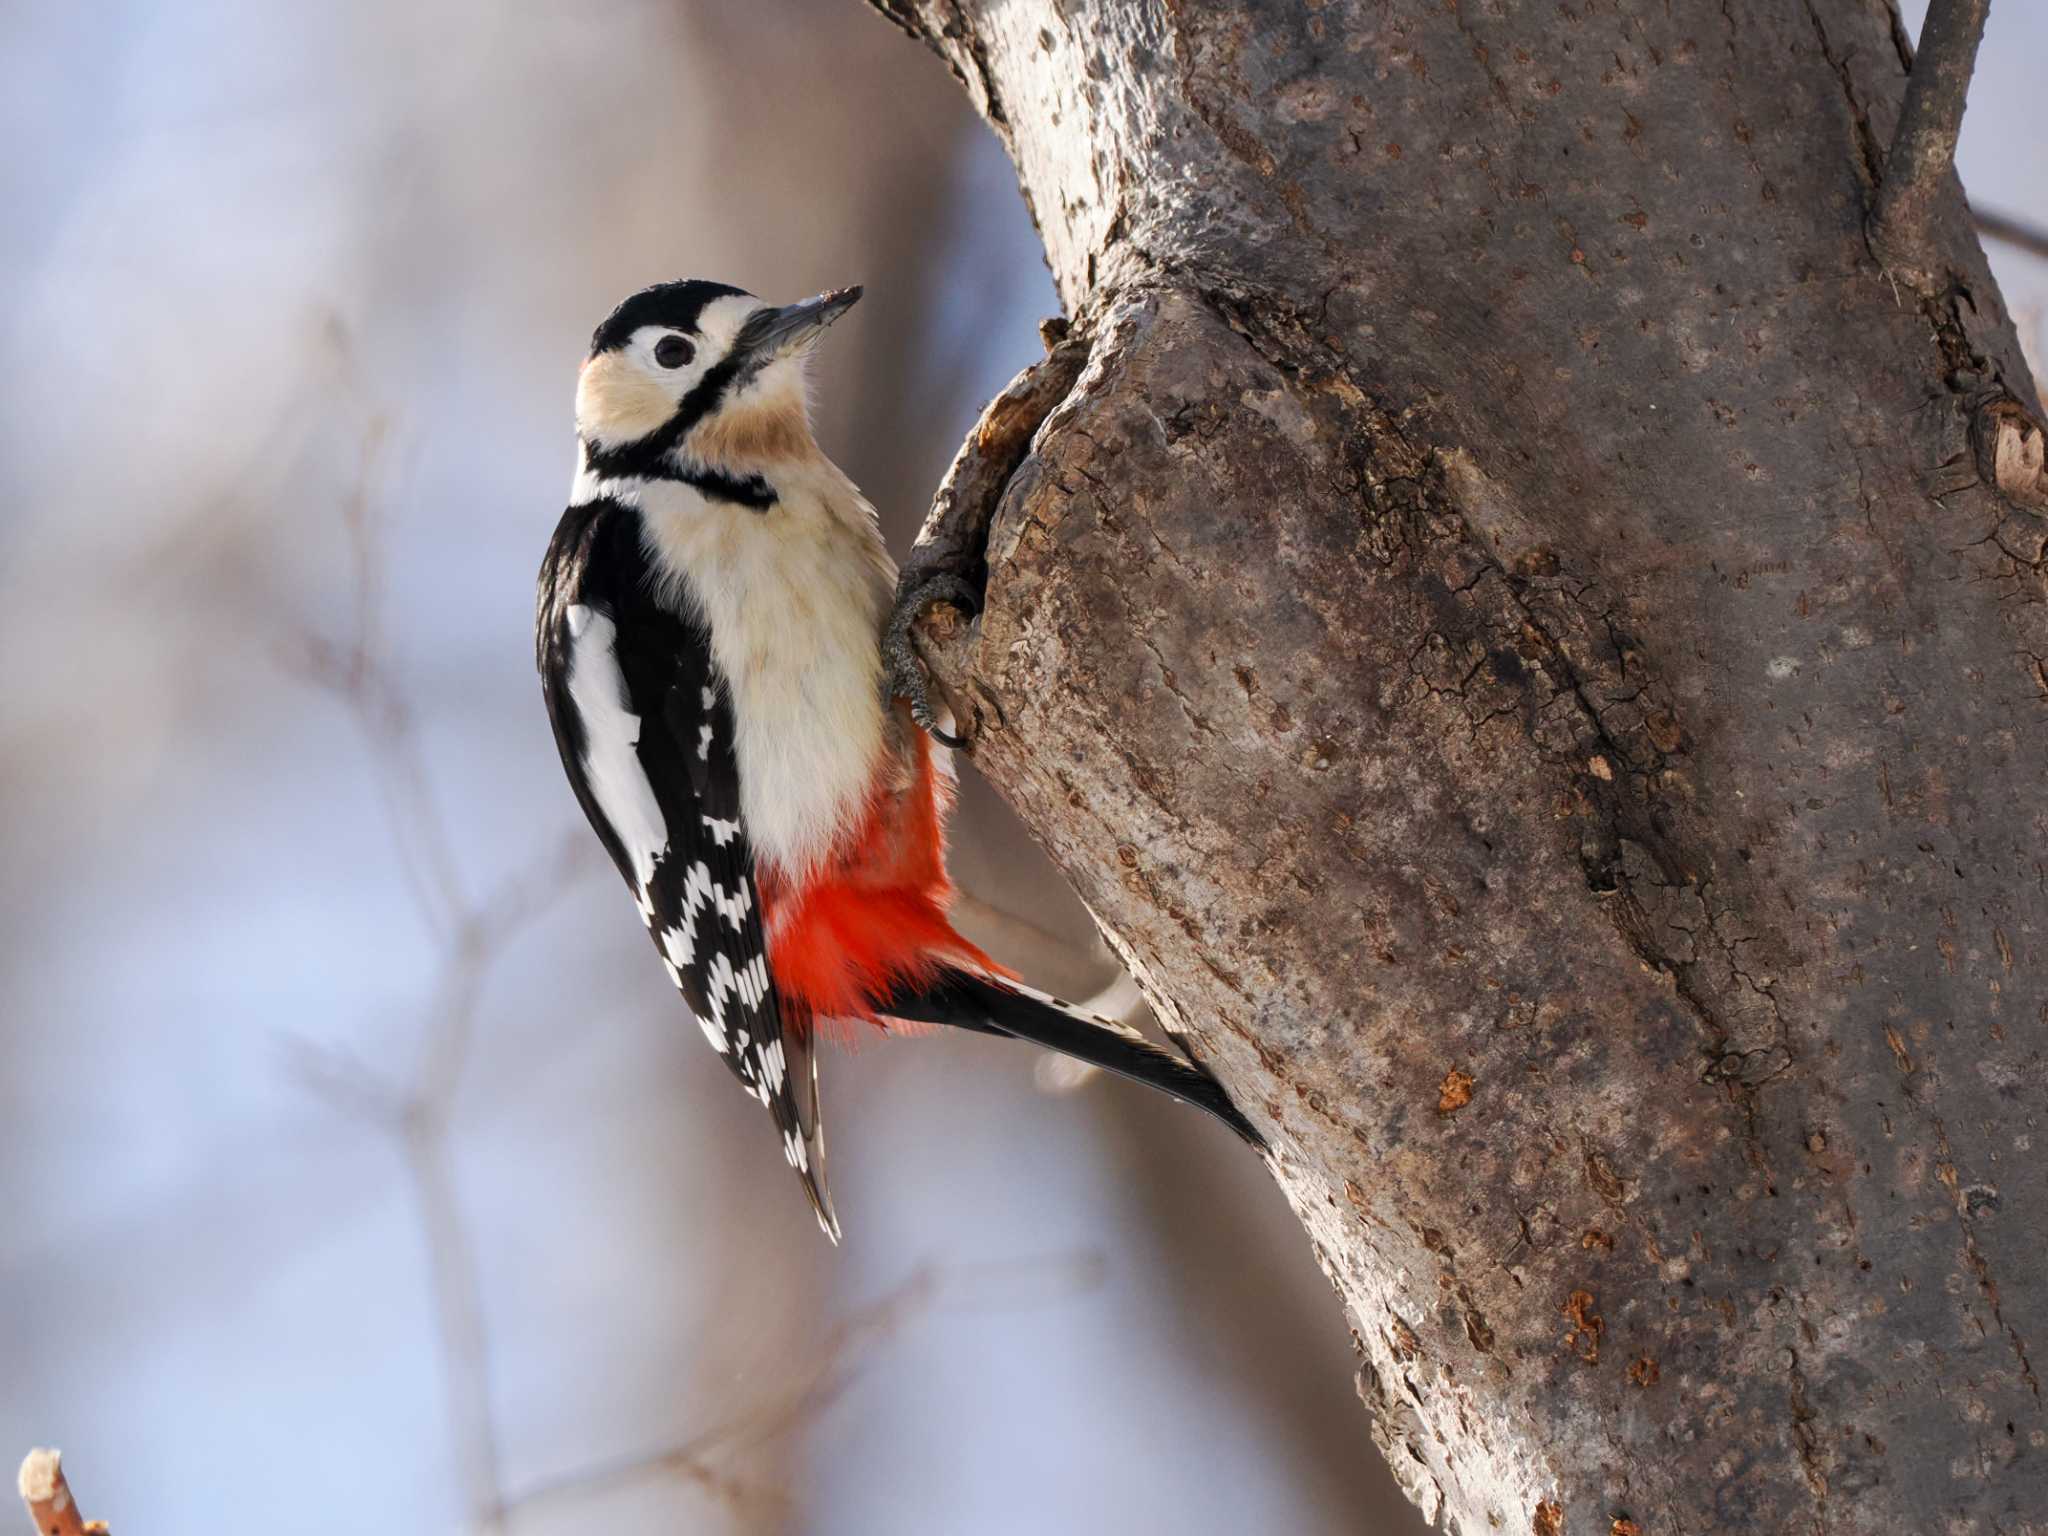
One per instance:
(906,675)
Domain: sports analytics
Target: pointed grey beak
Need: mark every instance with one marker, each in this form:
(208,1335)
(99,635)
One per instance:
(774,333)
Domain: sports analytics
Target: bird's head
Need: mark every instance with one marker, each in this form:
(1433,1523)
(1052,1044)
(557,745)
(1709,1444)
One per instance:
(701,372)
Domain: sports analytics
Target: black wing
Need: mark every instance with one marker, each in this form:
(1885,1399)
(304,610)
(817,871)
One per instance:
(645,731)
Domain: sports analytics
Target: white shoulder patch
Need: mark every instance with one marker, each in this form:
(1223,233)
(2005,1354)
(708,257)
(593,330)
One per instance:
(611,733)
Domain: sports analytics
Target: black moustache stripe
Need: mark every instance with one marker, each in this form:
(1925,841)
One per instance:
(752,492)
(645,457)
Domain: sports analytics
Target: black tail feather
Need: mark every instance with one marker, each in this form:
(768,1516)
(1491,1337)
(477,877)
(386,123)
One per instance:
(981,1003)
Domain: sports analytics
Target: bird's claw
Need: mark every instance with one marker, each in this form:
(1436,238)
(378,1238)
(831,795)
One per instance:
(906,675)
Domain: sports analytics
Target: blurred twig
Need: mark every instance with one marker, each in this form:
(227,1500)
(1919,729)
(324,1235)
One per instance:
(472,932)
(696,1458)
(848,1346)
(48,1497)
(1018,937)
(2011,231)
(355,671)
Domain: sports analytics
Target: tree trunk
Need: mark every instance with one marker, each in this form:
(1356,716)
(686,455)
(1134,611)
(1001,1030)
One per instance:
(1497,610)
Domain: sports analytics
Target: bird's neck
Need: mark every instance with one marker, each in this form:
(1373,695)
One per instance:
(761,430)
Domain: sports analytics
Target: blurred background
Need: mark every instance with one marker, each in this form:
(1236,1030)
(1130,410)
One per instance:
(362,1171)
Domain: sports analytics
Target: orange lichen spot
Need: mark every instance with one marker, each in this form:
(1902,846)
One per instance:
(1593,1238)
(1600,768)
(1643,1371)
(1455,1092)
(1587,1326)
(1549,1518)
(1623,1526)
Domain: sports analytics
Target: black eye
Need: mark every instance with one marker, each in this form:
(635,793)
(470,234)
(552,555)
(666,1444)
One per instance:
(673,351)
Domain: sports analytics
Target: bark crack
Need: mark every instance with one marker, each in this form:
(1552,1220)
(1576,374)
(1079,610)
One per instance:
(1870,152)
(1973,1254)
(1802,1417)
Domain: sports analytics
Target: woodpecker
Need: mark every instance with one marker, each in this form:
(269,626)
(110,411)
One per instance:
(709,635)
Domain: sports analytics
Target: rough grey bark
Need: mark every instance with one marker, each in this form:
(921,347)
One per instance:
(1514,629)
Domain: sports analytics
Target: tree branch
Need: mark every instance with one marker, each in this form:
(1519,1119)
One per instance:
(49,1499)
(1924,149)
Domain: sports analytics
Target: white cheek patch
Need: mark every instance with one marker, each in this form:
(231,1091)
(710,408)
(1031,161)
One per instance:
(617,401)
(611,740)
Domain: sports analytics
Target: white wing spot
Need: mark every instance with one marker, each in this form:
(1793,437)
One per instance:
(611,738)
(719,986)
(773,1068)
(679,946)
(722,831)
(704,745)
(754,981)
(680,943)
